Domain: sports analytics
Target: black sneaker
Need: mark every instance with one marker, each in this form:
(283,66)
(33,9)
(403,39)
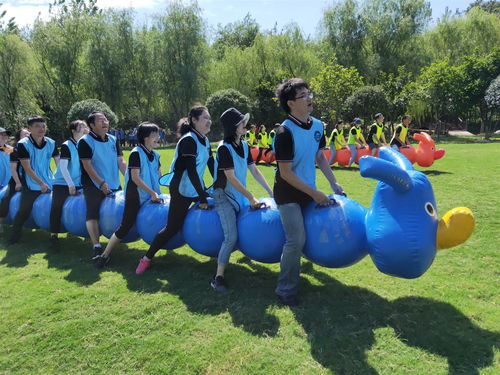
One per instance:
(290,300)
(218,284)
(102,262)
(97,253)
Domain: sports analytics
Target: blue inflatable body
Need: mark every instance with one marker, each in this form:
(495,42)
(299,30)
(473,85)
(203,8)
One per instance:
(402,221)
(14,207)
(151,218)
(7,219)
(41,212)
(260,232)
(111,214)
(335,234)
(203,231)
(74,215)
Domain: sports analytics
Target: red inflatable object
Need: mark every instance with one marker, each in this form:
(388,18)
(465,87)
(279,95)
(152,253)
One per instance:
(341,157)
(255,152)
(269,158)
(410,153)
(426,150)
(362,152)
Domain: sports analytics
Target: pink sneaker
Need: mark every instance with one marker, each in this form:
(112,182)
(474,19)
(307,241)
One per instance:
(143,266)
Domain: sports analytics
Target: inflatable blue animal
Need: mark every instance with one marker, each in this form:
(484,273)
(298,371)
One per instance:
(402,226)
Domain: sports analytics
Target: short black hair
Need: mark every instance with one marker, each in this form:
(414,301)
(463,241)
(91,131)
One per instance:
(145,129)
(378,115)
(405,117)
(287,90)
(92,116)
(73,125)
(33,119)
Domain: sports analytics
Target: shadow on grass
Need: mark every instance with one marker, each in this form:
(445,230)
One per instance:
(339,320)
(434,172)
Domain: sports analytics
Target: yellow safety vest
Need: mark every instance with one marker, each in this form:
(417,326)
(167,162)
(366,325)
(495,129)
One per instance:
(339,135)
(351,140)
(378,133)
(263,140)
(251,138)
(403,134)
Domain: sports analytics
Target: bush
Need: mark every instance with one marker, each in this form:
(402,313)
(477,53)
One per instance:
(81,110)
(365,103)
(221,100)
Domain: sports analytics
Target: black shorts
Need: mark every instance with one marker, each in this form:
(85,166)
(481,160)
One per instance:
(373,145)
(93,198)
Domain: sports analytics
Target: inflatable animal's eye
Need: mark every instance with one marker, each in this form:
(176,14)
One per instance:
(429,208)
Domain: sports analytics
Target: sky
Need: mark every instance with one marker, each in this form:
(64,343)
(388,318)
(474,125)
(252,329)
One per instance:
(306,13)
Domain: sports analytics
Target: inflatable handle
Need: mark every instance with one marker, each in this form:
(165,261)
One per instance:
(260,206)
(111,195)
(210,207)
(332,203)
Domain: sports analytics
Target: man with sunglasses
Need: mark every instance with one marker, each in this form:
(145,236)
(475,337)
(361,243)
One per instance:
(298,146)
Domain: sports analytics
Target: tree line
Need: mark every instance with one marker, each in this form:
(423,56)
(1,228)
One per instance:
(367,57)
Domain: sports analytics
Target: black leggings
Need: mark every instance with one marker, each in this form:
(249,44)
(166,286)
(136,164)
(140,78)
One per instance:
(5,202)
(59,195)
(177,212)
(27,199)
(132,206)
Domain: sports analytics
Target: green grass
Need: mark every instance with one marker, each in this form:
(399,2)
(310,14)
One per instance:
(60,316)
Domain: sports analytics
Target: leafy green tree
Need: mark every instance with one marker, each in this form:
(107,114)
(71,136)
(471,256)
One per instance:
(17,80)
(59,46)
(11,26)
(491,6)
(492,97)
(82,109)
(239,34)
(219,101)
(344,31)
(179,53)
(365,102)
(331,87)
(282,54)
(475,32)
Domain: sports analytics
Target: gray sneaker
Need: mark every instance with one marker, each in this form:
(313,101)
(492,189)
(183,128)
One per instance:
(218,283)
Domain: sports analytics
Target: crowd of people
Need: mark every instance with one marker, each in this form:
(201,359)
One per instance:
(91,160)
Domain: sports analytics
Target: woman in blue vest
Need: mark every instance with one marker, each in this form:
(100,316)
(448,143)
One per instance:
(141,184)
(230,192)
(192,155)
(15,184)
(67,177)
(34,153)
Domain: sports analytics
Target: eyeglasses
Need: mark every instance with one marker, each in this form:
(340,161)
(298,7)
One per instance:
(305,96)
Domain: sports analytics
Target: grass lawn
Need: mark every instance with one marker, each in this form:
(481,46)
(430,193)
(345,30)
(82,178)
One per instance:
(61,316)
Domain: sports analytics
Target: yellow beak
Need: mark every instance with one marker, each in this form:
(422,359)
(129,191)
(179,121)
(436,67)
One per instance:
(454,228)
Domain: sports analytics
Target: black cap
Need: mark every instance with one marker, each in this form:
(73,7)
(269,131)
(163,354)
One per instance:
(232,117)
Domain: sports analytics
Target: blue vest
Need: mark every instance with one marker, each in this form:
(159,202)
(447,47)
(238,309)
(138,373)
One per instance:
(237,199)
(104,160)
(148,174)
(4,168)
(40,162)
(73,167)
(186,188)
(305,145)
